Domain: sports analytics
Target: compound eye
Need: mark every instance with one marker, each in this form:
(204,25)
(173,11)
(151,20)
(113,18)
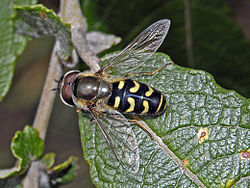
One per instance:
(66,95)
(86,87)
(66,87)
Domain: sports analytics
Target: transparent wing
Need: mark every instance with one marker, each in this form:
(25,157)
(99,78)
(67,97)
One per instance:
(140,49)
(120,137)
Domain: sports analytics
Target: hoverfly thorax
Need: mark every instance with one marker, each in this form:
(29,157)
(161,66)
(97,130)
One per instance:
(74,85)
(90,87)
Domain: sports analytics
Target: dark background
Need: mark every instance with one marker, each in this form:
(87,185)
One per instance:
(221,32)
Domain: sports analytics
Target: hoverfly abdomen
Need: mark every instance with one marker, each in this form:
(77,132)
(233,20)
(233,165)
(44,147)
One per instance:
(129,96)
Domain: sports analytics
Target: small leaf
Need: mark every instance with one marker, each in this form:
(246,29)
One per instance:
(199,139)
(11,45)
(48,160)
(64,173)
(37,21)
(26,146)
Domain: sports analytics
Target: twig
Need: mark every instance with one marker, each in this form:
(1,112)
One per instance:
(47,98)
(70,11)
(37,171)
(188,29)
(34,174)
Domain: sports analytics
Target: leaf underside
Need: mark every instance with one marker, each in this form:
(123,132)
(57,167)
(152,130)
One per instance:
(37,21)
(196,104)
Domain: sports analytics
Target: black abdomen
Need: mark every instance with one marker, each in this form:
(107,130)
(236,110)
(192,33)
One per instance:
(129,96)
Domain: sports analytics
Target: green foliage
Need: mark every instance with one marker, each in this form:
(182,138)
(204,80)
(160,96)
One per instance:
(65,172)
(27,146)
(220,46)
(11,44)
(37,21)
(196,105)
(48,160)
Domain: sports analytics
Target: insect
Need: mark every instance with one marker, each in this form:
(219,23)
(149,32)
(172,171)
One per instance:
(109,98)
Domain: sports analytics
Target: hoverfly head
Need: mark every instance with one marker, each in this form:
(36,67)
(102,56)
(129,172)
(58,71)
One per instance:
(65,87)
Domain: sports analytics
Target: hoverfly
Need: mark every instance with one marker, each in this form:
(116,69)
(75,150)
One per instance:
(107,98)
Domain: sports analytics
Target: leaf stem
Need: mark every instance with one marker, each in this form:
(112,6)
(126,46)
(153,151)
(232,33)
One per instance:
(179,162)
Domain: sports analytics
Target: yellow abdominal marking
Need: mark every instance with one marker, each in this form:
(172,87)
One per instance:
(135,88)
(117,102)
(146,107)
(131,101)
(149,92)
(121,84)
(159,106)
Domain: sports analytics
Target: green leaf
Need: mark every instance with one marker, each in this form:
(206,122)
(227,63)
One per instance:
(65,172)
(200,138)
(48,160)
(11,45)
(37,21)
(243,184)
(26,146)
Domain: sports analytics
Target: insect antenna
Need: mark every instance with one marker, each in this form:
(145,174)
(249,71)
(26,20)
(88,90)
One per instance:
(57,81)
(57,88)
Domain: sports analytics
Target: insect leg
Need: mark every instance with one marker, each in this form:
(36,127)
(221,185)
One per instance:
(148,73)
(117,116)
(137,121)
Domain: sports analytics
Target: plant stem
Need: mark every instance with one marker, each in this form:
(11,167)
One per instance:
(70,12)
(47,98)
(32,179)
